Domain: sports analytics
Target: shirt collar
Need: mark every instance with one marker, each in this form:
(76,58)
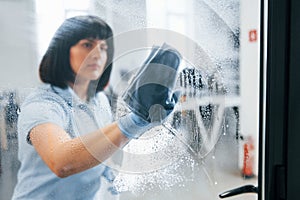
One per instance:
(71,97)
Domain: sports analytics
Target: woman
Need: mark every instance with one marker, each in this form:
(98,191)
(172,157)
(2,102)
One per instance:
(65,127)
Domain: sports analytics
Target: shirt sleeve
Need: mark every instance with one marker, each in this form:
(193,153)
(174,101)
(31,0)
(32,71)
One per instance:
(38,111)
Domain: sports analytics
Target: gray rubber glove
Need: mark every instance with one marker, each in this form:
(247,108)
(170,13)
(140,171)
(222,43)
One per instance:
(133,126)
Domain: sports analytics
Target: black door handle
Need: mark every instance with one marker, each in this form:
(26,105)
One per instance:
(239,190)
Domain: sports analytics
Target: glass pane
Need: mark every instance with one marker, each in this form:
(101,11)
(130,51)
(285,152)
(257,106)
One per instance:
(208,144)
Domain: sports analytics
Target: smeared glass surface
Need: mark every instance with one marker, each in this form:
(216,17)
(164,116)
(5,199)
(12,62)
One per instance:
(192,155)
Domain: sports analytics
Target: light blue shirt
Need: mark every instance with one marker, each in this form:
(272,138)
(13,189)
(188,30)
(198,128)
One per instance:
(62,107)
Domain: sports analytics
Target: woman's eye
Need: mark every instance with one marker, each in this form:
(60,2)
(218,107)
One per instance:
(103,48)
(87,45)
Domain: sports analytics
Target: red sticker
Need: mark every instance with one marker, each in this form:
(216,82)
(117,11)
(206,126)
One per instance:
(252,35)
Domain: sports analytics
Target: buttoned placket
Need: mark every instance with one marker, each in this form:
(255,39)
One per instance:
(75,103)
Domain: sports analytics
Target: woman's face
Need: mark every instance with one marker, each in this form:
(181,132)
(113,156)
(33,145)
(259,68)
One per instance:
(88,58)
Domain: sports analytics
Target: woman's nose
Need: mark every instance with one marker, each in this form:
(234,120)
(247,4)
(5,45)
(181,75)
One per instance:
(97,51)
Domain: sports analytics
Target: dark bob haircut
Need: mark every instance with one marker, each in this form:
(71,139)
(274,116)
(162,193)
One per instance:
(55,66)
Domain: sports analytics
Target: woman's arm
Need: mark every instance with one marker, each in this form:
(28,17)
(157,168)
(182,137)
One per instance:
(66,156)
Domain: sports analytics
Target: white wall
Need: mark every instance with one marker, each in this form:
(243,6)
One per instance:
(249,72)
(19,63)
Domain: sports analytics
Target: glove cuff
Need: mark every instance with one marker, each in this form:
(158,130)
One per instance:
(133,126)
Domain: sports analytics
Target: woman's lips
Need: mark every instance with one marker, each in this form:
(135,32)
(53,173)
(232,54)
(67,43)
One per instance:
(94,66)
